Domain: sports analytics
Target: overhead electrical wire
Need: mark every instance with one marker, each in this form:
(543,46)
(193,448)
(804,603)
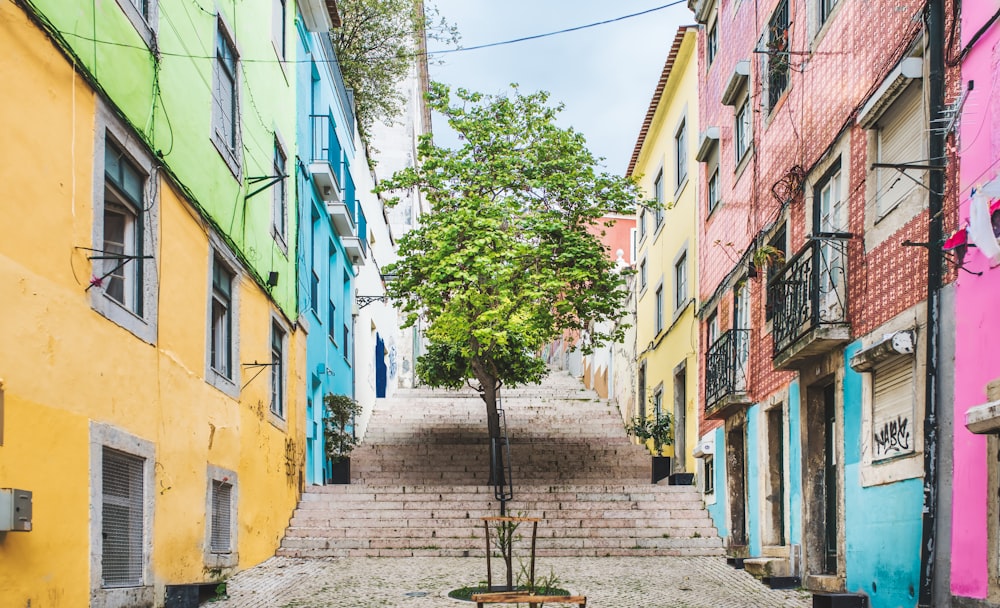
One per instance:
(557,32)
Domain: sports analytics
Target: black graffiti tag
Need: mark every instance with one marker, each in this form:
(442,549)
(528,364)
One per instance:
(894,436)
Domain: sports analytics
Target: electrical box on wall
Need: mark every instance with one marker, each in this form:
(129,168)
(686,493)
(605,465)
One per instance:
(15,510)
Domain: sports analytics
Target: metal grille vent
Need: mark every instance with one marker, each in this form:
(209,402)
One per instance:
(122,519)
(221,517)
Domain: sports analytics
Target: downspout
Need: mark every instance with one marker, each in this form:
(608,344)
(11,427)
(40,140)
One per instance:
(935,51)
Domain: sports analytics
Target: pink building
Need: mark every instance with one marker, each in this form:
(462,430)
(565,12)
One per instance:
(975,542)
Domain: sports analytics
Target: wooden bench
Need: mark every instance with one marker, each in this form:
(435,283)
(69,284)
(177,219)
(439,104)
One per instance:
(522,597)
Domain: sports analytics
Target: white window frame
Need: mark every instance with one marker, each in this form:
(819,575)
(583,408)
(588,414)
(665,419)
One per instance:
(140,313)
(681,155)
(680,281)
(279,27)
(660,309)
(107,436)
(231,151)
(213,557)
(660,201)
(229,385)
(643,275)
(278,378)
(279,195)
(743,129)
(145,25)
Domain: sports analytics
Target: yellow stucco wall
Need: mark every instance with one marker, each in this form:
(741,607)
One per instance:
(63,365)
(677,342)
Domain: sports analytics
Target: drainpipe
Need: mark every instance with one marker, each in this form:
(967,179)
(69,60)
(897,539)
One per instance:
(935,50)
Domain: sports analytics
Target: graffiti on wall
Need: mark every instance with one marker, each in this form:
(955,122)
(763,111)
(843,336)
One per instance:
(895,437)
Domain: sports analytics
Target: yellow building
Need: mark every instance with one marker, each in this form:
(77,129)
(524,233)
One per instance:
(666,251)
(133,403)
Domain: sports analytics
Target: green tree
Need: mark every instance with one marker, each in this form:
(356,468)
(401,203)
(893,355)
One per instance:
(376,44)
(509,257)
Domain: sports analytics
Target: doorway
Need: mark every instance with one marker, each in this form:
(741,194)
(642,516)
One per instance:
(820,477)
(776,476)
(680,419)
(736,474)
(381,370)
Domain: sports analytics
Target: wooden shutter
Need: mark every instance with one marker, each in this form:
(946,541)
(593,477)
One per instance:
(893,397)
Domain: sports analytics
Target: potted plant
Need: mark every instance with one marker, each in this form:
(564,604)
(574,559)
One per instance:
(659,429)
(338,435)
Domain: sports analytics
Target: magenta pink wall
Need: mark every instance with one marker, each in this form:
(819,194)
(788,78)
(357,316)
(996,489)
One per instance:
(977,324)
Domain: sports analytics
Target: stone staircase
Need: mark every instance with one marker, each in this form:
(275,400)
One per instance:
(419,482)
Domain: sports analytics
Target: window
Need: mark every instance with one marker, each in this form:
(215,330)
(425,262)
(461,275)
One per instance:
(279,27)
(143,15)
(658,193)
(642,223)
(277,370)
(680,282)
(279,208)
(893,398)
(122,518)
(680,149)
(776,40)
(225,97)
(712,43)
(641,397)
(899,139)
(780,243)
(347,318)
(709,474)
(125,226)
(659,309)
(221,353)
(743,134)
(713,189)
(825,8)
(221,539)
(712,329)
(122,251)
(642,275)
(658,401)
(221,501)
(121,521)
(332,327)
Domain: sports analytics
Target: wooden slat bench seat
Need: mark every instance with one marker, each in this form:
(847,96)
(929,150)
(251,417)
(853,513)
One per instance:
(521,597)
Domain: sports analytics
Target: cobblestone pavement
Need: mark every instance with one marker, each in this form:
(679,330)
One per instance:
(423,582)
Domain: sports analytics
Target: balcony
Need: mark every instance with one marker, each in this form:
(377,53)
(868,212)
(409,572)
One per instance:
(726,374)
(808,300)
(354,249)
(325,163)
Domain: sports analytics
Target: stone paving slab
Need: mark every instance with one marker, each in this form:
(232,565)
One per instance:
(423,582)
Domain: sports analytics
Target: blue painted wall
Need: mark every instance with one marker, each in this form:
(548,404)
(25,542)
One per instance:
(753,482)
(718,509)
(882,523)
(793,483)
(325,277)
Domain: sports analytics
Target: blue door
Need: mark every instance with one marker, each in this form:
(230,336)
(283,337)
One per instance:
(381,371)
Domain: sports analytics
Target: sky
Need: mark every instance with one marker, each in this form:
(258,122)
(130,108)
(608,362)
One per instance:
(605,75)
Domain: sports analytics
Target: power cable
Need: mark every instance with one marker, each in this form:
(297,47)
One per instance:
(556,32)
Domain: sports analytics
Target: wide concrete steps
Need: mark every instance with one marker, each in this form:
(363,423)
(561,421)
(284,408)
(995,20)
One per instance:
(419,483)
(580,520)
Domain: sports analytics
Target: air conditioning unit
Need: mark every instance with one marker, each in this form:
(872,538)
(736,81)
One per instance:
(15,510)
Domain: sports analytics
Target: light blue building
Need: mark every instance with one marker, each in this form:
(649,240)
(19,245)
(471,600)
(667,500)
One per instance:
(330,220)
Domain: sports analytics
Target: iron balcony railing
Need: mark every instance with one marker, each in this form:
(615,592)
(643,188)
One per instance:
(726,366)
(810,291)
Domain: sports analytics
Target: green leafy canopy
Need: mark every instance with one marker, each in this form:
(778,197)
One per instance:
(509,257)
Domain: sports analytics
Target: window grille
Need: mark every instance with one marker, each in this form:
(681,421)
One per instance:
(221,536)
(122,519)
(777,54)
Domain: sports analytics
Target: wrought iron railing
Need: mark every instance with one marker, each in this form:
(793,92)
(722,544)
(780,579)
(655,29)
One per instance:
(810,291)
(726,366)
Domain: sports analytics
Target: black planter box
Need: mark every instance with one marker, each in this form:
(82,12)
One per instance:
(661,468)
(341,472)
(682,479)
(839,600)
